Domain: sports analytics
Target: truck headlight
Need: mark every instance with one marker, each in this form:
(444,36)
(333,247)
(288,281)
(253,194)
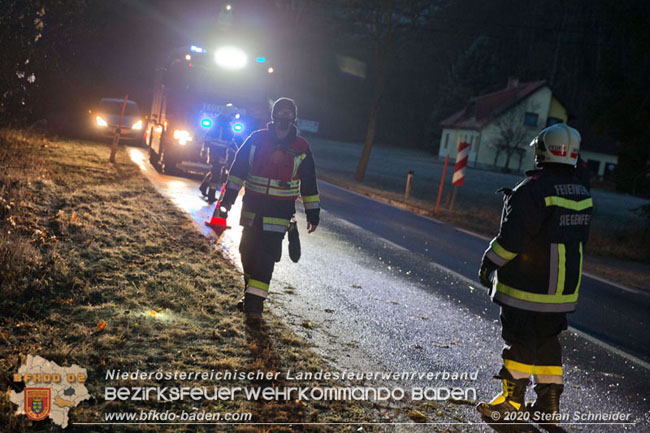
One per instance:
(100,121)
(182,136)
(137,125)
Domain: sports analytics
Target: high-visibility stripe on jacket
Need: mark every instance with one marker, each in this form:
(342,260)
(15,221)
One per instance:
(539,248)
(273,177)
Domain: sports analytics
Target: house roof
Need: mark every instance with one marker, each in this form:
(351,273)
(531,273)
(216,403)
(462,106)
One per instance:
(482,109)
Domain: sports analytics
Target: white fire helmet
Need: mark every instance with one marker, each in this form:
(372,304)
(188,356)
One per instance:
(558,143)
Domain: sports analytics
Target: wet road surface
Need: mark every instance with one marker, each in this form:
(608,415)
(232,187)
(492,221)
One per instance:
(386,290)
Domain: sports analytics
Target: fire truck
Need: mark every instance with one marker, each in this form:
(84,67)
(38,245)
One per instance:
(204,105)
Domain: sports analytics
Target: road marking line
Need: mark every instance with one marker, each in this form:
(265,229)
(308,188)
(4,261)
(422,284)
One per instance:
(473,234)
(619,352)
(619,286)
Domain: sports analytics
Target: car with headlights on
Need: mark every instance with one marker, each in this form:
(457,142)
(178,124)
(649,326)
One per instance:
(106,116)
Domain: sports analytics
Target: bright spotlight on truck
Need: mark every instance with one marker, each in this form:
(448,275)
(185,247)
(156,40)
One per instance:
(230,58)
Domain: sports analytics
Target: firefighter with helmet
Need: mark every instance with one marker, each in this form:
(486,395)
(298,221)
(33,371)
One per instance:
(275,166)
(536,260)
(219,146)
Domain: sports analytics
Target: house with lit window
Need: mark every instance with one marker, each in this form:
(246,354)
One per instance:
(499,127)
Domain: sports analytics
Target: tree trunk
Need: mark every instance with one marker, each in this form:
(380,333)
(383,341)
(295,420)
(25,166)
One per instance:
(381,50)
(360,173)
(508,155)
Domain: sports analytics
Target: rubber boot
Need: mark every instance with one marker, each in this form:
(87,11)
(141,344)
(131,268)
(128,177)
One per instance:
(511,398)
(547,406)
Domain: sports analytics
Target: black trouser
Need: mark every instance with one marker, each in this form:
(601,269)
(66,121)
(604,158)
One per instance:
(532,345)
(260,251)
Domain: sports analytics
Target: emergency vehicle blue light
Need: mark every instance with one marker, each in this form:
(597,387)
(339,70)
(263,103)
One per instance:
(206,123)
(196,49)
(261,60)
(238,127)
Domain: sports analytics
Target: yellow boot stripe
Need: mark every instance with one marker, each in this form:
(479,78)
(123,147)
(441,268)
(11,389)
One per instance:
(498,400)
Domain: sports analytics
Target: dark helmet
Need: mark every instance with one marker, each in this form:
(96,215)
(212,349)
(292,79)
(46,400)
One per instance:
(284,103)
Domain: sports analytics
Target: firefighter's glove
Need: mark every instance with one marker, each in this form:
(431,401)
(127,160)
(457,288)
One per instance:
(313,218)
(485,272)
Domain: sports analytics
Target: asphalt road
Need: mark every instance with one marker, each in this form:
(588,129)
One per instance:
(387,290)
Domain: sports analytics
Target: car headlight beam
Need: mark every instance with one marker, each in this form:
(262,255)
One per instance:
(182,136)
(100,121)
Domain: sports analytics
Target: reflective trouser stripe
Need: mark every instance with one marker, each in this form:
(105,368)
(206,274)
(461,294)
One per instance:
(236,180)
(274,228)
(271,224)
(310,198)
(518,366)
(548,378)
(314,205)
(233,185)
(257,288)
(247,218)
(548,374)
(248,215)
(257,292)
(548,370)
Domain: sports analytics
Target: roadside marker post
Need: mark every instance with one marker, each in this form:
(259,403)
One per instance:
(409,185)
(116,138)
(459,169)
(442,182)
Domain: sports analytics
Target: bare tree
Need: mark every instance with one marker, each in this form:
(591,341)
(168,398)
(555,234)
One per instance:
(512,135)
(384,24)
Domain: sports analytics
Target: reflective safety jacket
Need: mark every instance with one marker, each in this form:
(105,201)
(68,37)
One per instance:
(274,175)
(544,226)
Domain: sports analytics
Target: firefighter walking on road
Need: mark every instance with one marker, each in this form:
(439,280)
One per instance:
(275,166)
(537,259)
